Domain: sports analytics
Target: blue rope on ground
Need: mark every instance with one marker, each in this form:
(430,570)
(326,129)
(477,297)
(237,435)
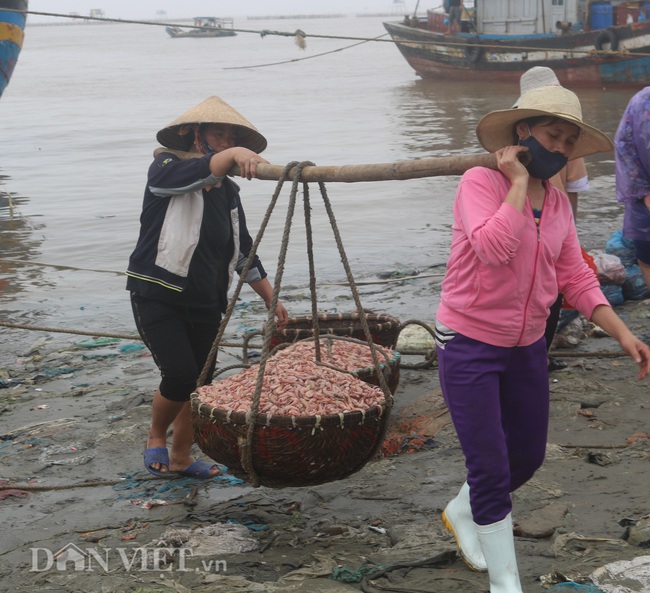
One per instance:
(134,487)
(571,586)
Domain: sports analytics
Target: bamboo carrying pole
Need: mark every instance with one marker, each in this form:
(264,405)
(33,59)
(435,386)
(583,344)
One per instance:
(415,169)
(428,167)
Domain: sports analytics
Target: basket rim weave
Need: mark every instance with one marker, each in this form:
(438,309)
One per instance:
(353,316)
(343,419)
(376,321)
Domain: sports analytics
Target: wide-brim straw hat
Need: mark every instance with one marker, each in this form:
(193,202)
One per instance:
(534,78)
(496,129)
(213,110)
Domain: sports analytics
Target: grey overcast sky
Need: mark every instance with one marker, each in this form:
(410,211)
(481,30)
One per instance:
(149,9)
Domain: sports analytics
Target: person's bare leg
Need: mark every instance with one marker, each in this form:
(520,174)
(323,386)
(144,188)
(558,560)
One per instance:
(163,413)
(182,439)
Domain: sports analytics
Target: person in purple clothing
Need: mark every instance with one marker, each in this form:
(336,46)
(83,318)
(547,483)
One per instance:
(514,247)
(193,237)
(632,150)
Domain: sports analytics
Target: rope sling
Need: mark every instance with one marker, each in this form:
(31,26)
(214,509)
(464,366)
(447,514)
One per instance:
(247,446)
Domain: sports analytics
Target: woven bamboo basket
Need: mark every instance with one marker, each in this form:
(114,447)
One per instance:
(390,368)
(384,329)
(292,451)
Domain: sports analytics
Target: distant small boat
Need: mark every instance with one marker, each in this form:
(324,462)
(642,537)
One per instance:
(596,43)
(208,26)
(12,27)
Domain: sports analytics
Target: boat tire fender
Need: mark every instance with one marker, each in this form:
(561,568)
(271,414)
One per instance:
(607,37)
(473,53)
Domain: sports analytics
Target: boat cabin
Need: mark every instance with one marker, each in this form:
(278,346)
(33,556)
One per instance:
(550,17)
(211,22)
(523,17)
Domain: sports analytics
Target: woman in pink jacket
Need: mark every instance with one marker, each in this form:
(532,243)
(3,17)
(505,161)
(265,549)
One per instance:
(514,248)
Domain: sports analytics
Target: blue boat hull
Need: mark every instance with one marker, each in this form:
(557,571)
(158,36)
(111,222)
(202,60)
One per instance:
(578,59)
(12,27)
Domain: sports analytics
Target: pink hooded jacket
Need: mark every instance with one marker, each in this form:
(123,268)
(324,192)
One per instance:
(504,272)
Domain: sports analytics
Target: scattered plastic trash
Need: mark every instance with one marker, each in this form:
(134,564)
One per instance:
(35,347)
(149,504)
(344,574)
(52,372)
(571,586)
(624,576)
(211,540)
(570,335)
(96,342)
(5,380)
(634,287)
(249,525)
(574,543)
(398,445)
(99,354)
(131,347)
(64,455)
(610,267)
(637,533)
(566,317)
(140,487)
(13,492)
(624,248)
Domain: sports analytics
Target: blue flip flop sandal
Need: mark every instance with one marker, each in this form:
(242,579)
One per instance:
(157,455)
(198,469)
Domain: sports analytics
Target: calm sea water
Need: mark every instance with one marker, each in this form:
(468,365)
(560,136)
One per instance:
(78,125)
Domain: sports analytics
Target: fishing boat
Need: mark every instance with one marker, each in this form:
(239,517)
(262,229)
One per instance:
(12,27)
(205,26)
(587,43)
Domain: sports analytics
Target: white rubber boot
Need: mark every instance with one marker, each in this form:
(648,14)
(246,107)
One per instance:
(457,519)
(498,544)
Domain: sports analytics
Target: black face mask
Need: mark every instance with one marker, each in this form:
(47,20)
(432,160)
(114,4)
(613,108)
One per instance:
(543,163)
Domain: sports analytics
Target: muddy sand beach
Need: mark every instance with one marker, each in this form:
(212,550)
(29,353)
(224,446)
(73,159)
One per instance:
(79,513)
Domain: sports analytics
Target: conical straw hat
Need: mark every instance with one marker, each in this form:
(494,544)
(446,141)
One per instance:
(496,129)
(213,110)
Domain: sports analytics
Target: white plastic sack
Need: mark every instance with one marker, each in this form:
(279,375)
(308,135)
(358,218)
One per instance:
(610,267)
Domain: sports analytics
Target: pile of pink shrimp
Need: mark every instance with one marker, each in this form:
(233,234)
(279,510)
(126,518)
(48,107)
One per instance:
(294,385)
(349,356)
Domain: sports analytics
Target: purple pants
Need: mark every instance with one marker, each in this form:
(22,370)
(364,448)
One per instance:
(498,399)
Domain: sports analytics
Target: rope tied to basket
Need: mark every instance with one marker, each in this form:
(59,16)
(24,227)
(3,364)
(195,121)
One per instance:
(246,445)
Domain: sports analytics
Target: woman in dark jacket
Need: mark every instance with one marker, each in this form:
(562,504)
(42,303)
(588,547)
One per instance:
(193,237)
